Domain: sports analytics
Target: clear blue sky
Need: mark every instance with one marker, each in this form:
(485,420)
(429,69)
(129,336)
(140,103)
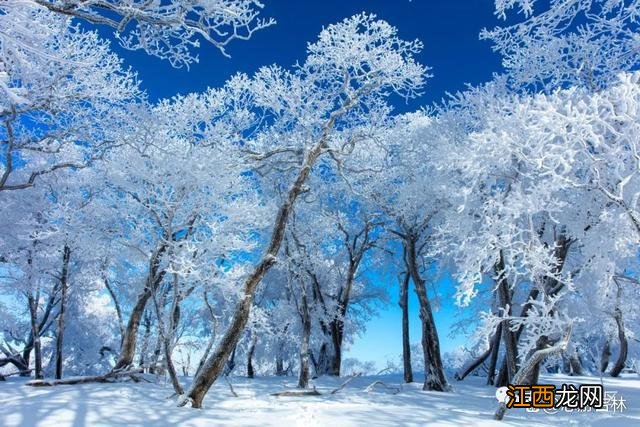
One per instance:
(449,30)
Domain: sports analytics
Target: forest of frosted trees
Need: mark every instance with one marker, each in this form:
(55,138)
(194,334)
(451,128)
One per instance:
(236,230)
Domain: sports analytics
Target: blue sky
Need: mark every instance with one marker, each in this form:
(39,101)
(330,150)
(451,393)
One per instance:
(449,30)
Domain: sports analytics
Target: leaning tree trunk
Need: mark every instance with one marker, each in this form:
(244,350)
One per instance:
(624,346)
(154,278)
(406,345)
(215,363)
(475,364)
(64,282)
(128,349)
(433,369)
(527,367)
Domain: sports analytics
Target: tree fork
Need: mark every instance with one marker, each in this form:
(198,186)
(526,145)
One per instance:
(434,372)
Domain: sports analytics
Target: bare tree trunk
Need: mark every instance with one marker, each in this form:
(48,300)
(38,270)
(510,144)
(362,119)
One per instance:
(64,282)
(575,365)
(504,296)
(33,312)
(604,358)
(117,306)
(43,326)
(303,378)
(215,363)
(128,349)
(337,324)
(252,349)
(154,278)
(212,339)
(433,370)
(279,365)
(335,361)
(473,365)
(145,340)
(493,359)
(406,345)
(156,366)
(163,335)
(495,339)
(324,363)
(357,245)
(230,365)
(624,345)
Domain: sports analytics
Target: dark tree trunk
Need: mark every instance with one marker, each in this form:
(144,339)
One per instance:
(279,364)
(475,364)
(406,345)
(324,363)
(508,336)
(575,365)
(252,349)
(43,325)
(117,306)
(493,359)
(156,365)
(165,338)
(17,361)
(145,340)
(303,378)
(33,312)
(503,377)
(128,349)
(604,358)
(434,372)
(215,363)
(231,363)
(171,369)
(26,354)
(154,278)
(624,346)
(337,325)
(64,283)
(212,338)
(336,341)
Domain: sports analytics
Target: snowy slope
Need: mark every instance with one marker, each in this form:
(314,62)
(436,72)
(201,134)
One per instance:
(146,404)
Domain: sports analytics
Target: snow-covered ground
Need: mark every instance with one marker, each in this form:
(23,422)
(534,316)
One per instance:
(146,404)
